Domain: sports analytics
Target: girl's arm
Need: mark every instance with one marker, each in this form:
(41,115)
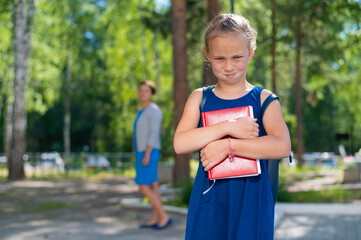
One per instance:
(189,138)
(275,145)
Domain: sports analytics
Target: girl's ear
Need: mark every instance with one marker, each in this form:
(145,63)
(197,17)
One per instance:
(206,53)
(251,52)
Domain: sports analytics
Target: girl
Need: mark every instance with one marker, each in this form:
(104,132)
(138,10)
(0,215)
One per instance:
(236,208)
(147,153)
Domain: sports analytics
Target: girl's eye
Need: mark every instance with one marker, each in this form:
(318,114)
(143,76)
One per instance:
(237,57)
(218,59)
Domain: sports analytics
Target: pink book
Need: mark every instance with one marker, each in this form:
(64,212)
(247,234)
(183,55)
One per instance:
(239,166)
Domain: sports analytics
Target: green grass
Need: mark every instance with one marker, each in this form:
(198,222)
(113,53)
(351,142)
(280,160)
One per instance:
(3,174)
(93,174)
(298,174)
(335,195)
(193,165)
(49,206)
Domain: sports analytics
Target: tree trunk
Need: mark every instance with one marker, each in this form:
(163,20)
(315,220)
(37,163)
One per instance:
(208,76)
(298,87)
(23,21)
(67,115)
(180,87)
(232,6)
(157,68)
(2,103)
(8,127)
(213,9)
(273,46)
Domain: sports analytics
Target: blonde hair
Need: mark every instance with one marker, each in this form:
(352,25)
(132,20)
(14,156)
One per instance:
(230,23)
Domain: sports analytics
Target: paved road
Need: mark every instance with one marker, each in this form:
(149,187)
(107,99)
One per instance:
(36,210)
(318,221)
(319,227)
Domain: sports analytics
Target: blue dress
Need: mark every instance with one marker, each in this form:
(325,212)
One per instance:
(145,175)
(237,208)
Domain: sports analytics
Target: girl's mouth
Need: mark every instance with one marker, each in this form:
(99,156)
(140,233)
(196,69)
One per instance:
(229,74)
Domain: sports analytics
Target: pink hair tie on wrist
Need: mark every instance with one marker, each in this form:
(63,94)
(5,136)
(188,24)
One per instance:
(231,151)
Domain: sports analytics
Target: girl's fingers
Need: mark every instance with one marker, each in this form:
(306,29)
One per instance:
(209,166)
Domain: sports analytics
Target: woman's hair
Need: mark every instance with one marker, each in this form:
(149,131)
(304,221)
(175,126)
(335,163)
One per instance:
(149,84)
(230,23)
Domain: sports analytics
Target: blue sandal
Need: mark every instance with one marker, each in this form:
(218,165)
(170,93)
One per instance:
(147,226)
(157,227)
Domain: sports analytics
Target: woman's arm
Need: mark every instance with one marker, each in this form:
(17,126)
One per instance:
(153,141)
(154,127)
(146,158)
(189,138)
(275,145)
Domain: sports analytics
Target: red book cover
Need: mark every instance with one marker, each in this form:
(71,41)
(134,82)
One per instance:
(239,166)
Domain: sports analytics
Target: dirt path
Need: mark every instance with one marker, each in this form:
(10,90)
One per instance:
(75,210)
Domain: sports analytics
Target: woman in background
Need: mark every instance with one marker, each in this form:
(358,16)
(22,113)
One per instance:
(147,153)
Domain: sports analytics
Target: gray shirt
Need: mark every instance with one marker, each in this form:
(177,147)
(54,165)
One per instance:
(147,130)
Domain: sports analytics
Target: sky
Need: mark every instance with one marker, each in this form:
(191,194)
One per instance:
(162,3)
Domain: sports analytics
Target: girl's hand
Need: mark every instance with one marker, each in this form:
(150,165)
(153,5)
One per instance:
(145,161)
(244,127)
(214,153)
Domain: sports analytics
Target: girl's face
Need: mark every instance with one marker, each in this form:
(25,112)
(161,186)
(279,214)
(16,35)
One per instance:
(144,93)
(229,55)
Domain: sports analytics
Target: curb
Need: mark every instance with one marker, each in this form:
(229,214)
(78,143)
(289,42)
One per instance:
(281,209)
(136,203)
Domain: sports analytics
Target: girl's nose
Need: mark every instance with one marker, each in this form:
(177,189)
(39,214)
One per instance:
(228,65)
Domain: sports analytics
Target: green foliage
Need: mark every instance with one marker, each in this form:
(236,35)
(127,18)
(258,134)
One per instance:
(182,196)
(113,47)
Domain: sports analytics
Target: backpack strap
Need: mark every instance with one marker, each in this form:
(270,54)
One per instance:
(206,91)
(266,102)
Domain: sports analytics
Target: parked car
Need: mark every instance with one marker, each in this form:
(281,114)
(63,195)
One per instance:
(328,159)
(310,159)
(51,160)
(97,161)
(3,161)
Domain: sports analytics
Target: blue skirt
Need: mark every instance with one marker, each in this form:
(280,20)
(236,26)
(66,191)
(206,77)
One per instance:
(146,175)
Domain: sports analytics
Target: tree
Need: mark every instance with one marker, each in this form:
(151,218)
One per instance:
(180,86)
(67,112)
(298,85)
(208,76)
(273,45)
(23,21)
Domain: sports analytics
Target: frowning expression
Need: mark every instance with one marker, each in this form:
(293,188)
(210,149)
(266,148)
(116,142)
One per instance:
(229,55)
